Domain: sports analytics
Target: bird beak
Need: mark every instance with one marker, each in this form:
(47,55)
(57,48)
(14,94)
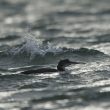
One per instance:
(77,62)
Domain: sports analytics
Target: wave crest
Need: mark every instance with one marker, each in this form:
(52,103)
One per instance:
(33,47)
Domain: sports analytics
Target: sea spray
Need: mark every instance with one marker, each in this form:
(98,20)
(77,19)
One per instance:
(33,47)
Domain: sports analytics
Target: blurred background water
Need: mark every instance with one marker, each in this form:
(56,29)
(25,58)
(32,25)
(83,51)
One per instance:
(38,33)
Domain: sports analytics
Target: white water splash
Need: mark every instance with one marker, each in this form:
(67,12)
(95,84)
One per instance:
(33,46)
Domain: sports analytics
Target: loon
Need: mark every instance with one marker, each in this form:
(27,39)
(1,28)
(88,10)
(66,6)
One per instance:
(60,67)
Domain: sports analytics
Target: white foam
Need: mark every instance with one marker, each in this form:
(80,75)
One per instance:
(33,46)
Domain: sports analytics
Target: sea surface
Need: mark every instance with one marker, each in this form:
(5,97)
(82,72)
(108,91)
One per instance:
(40,33)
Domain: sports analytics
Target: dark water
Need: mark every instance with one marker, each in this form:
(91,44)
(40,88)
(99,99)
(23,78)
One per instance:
(38,33)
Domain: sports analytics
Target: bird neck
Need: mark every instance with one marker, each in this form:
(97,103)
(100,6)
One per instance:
(60,68)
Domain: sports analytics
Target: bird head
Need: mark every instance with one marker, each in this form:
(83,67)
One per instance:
(66,62)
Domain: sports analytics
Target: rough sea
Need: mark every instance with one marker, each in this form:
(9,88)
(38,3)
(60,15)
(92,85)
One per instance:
(40,33)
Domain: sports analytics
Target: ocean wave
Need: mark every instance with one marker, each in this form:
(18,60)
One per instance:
(82,13)
(84,51)
(95,95)
(33,48)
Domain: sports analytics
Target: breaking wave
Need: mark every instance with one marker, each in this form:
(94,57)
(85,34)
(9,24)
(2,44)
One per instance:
(32,47)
